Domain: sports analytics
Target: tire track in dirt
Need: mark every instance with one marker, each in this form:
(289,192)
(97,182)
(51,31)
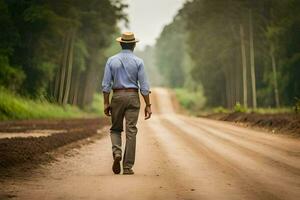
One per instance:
(287,145)
(270,155)
(194,172)
(265,180)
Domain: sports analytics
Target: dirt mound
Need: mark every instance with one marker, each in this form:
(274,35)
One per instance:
(15,151)
(25,125)
(283,123)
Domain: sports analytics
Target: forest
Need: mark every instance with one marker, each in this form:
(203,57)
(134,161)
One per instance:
(235,51)
(56,49)
(217,53)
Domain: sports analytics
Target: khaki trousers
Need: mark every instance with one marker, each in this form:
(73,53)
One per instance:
(124,105)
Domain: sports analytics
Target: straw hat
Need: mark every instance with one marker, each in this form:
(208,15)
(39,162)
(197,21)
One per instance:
(127,37)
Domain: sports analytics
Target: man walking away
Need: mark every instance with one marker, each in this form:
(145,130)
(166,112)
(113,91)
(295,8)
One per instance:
(125,75)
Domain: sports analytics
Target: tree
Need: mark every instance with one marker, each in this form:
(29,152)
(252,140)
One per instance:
(170,53)
(252,61)
(223,38)
(56,44)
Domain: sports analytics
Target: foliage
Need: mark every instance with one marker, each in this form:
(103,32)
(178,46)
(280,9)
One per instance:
(97,106)
(153,72)
(220,109)
(170,54)
(297,105)
(272,110)
(239,108)
(190,100)
(10,77)
(51,46)
(13,106)
(210,35)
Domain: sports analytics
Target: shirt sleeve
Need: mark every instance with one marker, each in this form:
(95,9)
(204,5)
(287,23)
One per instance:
(143,81)
(107,79)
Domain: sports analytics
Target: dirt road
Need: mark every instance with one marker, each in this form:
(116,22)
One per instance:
(178,157)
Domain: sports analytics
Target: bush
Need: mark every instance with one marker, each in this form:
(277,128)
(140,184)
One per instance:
(297,105)
(10,77)
(220,109)
(97,105)
(239,108)
(190,100)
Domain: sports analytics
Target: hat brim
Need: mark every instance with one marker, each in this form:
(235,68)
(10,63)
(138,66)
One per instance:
(119,39)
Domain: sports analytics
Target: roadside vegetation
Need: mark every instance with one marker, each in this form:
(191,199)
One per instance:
(52,55)
(241,109)
(284,120)
(192,101)
(236,61)
(96,108)
(244,54)
(13,106)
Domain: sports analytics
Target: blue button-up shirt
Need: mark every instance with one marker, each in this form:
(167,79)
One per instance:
(125,70)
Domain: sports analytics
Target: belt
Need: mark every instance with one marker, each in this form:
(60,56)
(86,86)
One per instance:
(125,90)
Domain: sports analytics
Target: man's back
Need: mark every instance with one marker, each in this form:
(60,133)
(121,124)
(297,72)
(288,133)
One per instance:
(125,70)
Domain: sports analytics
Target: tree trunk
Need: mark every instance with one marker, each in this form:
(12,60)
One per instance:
(56,84)
(252,62)
(232,84)
(227,87)
(86,81)
(76,88)
(244,65)
(58,72)
(90,80)
(63,69)
(238,79)
(69,68)
(275,80)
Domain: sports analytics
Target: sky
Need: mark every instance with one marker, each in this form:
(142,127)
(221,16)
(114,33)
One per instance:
(148,17)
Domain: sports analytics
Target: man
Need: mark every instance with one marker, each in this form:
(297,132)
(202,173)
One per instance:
(125,75)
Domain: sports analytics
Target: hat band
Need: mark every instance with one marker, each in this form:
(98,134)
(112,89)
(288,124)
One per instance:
(128,40)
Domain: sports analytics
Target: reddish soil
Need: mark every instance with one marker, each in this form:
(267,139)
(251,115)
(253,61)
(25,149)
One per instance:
(17,150)
(276,123)
(27,125)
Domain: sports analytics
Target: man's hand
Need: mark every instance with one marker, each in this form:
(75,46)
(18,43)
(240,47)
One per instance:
(148,112)
(107,110)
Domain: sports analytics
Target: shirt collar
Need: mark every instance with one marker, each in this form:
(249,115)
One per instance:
(126,51)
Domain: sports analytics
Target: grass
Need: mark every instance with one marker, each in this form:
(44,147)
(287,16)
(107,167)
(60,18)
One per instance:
(13,106)
(194,102)
(97,105)
(239,108)
(272,110)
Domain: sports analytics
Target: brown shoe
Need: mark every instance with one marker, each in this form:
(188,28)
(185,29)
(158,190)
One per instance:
(128,172)
(116,165)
